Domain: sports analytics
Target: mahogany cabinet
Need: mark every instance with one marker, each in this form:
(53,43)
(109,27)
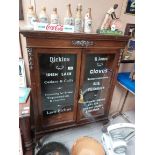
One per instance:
(73,76)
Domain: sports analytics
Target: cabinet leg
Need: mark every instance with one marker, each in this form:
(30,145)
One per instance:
(25,128)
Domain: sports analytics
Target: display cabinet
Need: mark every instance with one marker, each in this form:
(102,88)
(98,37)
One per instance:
(73,76)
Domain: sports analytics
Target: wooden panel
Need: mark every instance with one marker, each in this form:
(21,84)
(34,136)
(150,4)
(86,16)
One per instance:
(63,35)
(45,122)
(21,15)
(67,43)
(96,87)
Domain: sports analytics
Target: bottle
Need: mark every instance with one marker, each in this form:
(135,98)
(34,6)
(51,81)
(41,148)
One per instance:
(43,16)
(88,22)
(78,19)
(69,20)
(54,17)
(31,17)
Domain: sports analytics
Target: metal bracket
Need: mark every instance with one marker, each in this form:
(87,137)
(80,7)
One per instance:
(30,58)
(82,43)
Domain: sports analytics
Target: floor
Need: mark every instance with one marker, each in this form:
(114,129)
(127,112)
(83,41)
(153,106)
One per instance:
(69,136)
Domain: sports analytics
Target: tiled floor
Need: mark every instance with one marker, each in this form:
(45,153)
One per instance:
(69,136)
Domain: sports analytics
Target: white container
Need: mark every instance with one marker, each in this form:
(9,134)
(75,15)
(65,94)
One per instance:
(54,17)
(31,18)
(88,22)
(78,25)
(43,16)
(69,20)
(78,19)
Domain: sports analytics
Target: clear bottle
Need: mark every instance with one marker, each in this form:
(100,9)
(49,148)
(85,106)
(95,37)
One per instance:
(54,17)
(43,16)
(69,20)
(78,19)
(31,17)
(88,22)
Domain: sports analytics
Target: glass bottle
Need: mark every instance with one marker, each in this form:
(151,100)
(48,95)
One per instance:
(31,17)
(78,19)
(43,16)
(69,20)
(88,22)
(54,17)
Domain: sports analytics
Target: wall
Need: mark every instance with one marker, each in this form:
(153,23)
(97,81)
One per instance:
(126,18)
(99,9)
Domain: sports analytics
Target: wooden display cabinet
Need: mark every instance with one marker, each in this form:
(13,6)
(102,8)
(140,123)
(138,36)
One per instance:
(66,68)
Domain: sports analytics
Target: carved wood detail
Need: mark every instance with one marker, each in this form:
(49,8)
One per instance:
(30,58)
(120,57)
(82,43)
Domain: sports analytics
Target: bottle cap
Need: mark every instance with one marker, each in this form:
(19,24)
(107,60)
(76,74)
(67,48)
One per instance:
(55,9)
(79,7)
(30,7)
(43,8)
(68,5)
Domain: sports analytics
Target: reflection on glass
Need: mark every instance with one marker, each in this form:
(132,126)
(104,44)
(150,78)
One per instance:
(97,76)
(57,75)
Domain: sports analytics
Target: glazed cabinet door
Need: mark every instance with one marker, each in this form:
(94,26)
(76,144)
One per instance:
(98,67)
(58,82)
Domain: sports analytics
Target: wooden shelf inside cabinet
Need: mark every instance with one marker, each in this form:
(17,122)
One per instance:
(72,74)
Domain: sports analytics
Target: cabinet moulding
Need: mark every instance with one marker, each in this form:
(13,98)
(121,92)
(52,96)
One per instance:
(30,58)
(82,43)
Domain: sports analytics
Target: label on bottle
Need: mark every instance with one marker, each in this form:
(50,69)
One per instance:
(43,20)
(78,25)
(88,25)
(68,21)
(54,20)
(31,21)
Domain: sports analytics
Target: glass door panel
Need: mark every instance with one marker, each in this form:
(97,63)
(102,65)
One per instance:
(95,83)
(58,84)
(57,74)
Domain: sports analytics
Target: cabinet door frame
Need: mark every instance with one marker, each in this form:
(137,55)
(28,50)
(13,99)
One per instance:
(55,121)
(108,51)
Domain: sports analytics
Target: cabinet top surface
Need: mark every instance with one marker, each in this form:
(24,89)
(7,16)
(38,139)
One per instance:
(65,35)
